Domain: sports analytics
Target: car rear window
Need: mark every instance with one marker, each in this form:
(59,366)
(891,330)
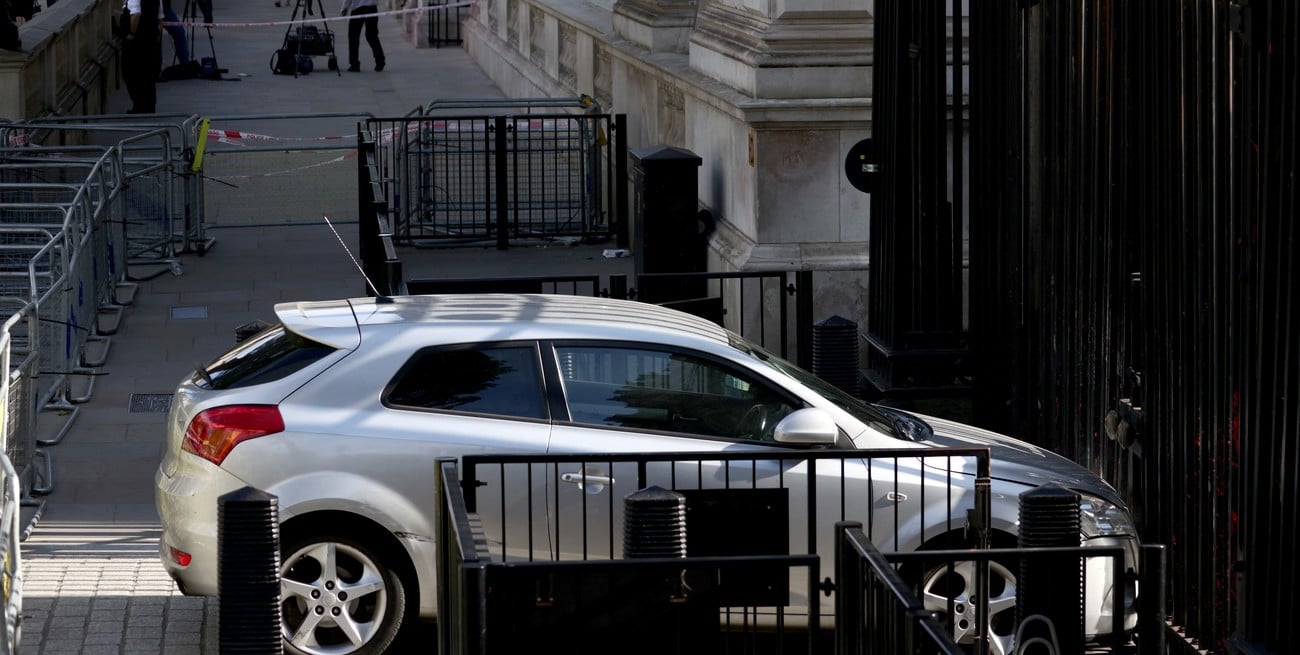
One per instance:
(268,356)
(498,380)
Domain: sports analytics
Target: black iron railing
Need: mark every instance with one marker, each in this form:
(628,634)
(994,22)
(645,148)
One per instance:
(455,180)
(444,19)
(1132,299)
(772,308)
(875,610)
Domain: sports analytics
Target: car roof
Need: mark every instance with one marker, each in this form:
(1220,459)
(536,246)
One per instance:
(474,317)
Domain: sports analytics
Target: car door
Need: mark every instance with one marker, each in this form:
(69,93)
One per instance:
(638,398)
(424,404)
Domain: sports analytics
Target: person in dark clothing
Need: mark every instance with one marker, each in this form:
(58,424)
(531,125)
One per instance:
(141,56)
(363,16)
(177,33)
(12,14)
(19,11)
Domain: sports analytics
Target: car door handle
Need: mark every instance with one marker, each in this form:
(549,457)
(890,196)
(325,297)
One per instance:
(587,478)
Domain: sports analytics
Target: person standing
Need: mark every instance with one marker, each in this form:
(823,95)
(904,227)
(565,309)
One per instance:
(363,16)
(141,56)
(177,32)
(15,13)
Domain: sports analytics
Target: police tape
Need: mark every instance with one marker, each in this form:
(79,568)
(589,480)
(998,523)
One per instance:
(282,23)
(389,135)
(351,154)
(385,136)
(235,137)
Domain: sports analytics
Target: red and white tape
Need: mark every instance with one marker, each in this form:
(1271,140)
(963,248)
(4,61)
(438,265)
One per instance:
(235,137)
(384,136)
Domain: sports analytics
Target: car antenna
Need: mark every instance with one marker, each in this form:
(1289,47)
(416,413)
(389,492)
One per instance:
(379,297)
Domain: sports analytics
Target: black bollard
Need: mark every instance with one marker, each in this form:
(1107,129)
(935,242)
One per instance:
(1050,589)
(654,524)
(835,353)
(248,573)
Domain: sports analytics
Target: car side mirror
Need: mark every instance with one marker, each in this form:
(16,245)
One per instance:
(807,426)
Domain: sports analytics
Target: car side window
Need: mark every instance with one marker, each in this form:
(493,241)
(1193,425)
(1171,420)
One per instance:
(667,390)
(501,380)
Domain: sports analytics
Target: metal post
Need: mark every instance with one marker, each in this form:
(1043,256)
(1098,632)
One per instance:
(803,313)
(500,145)
(621,181)
(1151,599)
(848,592)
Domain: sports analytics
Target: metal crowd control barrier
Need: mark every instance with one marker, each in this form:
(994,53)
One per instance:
(11,579)
(565,508)
(69,229)
(280,170)
(18,422)
(183,184)
(466,179)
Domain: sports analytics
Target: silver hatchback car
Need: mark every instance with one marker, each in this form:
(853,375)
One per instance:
(342,408)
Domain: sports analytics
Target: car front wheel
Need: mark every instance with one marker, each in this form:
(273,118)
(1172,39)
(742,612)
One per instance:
(338,598)
(950,592)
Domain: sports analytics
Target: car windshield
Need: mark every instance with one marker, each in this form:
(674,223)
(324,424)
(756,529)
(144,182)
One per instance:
(265,357)
(870,415)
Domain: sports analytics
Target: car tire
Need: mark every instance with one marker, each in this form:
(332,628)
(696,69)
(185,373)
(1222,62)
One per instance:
(940,583)
(339,596)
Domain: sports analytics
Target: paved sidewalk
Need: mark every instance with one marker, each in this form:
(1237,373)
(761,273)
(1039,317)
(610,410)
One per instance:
(92,580)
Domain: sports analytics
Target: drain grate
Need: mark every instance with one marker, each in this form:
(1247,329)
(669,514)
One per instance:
(190,311)
(150,402)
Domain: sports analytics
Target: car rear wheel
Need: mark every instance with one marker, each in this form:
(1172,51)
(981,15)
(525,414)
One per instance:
(337,597)
(951,593)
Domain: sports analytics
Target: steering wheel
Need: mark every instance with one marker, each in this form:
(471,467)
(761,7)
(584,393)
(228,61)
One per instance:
(753,424)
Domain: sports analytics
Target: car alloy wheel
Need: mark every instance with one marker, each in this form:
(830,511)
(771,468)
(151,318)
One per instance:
(943,585)
(337,598)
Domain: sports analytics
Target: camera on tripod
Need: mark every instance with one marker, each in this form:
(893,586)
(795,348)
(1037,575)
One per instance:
(310,41)
(302,42)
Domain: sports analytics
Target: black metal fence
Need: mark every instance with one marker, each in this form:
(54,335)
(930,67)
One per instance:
(1132,280)
(875,610)
(379,261)
(499,179)
(444,19)
(757,519)
(772,309)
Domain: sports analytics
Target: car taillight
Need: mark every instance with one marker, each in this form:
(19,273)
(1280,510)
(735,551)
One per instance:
(214,432)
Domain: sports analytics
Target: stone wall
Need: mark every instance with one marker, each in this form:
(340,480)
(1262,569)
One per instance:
(68,64)
(770,97)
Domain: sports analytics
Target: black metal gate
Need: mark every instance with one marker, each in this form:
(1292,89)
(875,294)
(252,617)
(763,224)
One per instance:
(457,180)
(1133,293)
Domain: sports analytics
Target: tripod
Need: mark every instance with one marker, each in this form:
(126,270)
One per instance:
(307,41)
(192,7)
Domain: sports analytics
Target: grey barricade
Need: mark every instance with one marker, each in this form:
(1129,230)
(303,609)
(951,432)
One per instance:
(64,248)
(11,579)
